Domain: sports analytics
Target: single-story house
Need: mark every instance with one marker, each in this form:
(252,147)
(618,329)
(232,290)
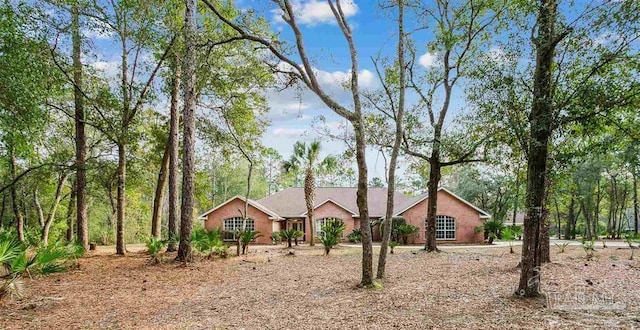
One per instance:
(456,218)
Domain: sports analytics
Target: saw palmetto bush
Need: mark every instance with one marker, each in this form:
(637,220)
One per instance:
(509,236)
(589,248)
(154,248)
(355,236)
(16,261)
(10,284)
(210,243)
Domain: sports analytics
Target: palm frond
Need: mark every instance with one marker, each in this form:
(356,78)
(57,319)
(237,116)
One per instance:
(9,250)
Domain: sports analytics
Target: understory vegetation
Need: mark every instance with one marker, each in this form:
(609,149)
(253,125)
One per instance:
(19,260)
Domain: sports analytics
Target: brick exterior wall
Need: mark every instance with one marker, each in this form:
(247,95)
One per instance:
(261,220)
(466,219)
(332,210)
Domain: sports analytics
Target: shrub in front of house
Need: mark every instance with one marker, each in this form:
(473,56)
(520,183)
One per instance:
(275,238)
(406,231)
(492,229)
(392,245)
(290,235)
(209,243)
(355,236)
(246,237)
(332,233)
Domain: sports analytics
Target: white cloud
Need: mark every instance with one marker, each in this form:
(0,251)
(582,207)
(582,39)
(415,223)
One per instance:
(315,12)
(606,38)
(295,102)
(428,60)
(497,54)
(289,133)
(366,78)
(110,69)
(97,30)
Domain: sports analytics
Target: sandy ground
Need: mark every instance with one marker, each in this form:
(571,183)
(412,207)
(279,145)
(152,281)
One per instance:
(458,288)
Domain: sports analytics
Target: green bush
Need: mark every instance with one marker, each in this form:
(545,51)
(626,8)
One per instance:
(334,227)
(405,231)
(589,248)
(328,241)
(355,236)
(494,226)
(332,234)
(275,237)
(395,223)
(247,237)
(562,247)
(392,245)
(209,243)
(517,231)
(508,235)
(631,238)
(154,248)
(17,260)
(290,235)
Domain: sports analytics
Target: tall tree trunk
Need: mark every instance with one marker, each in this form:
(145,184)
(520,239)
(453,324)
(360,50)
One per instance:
(156,218)
(595,223)
(4,204)
(72,203)
(516,195)
(635,201)
(393,161)
(587,220)
(623,206)
(613,206)
(245,213)
(361,201)
(545,235)
(121,198)
(188,158)
(81,138)
(568,229)
(54,207)
(540,121)
(14,197)
(558,224)
(545,228)
(174,123)
(39,212)
(309,192)
(432,201)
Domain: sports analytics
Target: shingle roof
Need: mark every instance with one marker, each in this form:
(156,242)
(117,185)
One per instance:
(415,200)
(290,202)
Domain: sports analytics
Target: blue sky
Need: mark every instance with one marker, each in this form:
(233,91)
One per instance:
(293,112)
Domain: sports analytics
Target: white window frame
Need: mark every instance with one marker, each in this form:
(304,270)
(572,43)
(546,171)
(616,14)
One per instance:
(322,222)
(446,225)
(230,225)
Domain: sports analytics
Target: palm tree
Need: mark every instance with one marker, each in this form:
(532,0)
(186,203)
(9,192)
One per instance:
(306,158)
